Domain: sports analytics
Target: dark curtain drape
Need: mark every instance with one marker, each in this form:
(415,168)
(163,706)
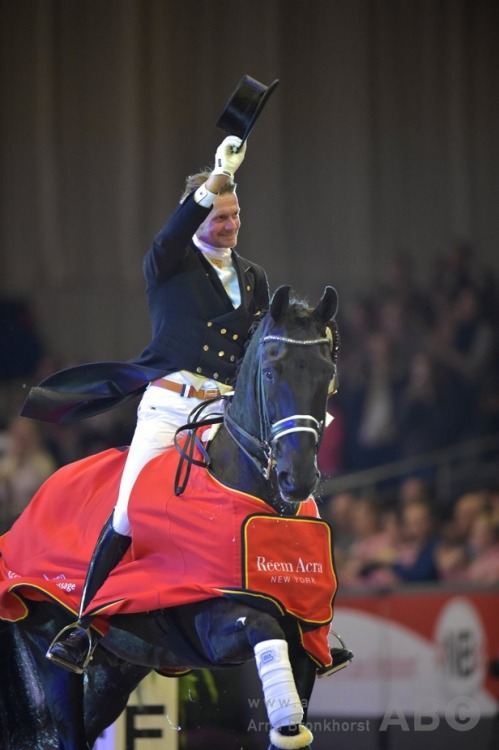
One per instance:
(382,136)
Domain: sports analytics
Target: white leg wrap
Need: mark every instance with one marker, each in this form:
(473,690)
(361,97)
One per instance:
(282,701)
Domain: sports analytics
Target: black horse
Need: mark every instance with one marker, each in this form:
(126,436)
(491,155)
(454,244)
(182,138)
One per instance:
(265,449)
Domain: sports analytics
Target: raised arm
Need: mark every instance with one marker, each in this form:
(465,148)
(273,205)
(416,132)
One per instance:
(171,243)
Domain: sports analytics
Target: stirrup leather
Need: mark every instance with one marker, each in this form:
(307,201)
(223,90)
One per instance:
(71,666)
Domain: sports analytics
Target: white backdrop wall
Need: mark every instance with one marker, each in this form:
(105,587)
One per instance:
(382,136)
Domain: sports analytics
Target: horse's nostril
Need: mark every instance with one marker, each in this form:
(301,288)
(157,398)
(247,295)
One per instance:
(284,479)
(297,489)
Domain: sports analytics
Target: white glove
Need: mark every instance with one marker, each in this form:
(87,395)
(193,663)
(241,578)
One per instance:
(227,158)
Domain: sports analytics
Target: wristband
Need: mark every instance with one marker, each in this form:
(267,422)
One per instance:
(204,197)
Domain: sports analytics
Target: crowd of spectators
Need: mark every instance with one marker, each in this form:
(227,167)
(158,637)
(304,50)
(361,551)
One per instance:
(419,372)
(379,546)
(419,365)
(31,451)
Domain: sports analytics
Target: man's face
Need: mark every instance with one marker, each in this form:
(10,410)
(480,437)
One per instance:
(221,226)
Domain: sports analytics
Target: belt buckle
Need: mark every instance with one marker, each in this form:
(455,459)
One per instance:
(211,393)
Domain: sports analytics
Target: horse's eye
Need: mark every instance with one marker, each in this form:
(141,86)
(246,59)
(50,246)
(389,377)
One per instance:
(268,375)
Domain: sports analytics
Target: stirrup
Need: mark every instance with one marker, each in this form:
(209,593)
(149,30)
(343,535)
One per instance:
(342,657)
(71,666)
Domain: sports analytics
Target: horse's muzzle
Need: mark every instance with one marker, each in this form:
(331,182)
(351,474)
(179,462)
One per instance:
(297,481)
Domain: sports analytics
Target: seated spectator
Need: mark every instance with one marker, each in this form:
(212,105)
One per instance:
(373,547)
(492,498)
(413,488)
(484,546)
(452,560)
(466,509)
(416,558)
(24,465)
(338,510)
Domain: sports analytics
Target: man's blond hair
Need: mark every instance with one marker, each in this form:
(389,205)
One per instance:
(194,181)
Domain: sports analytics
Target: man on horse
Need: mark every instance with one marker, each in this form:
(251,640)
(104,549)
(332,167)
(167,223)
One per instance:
(203,299)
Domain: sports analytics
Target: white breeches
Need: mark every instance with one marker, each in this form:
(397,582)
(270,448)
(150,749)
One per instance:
(160,414)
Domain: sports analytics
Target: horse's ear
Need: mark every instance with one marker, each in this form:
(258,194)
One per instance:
(279,302)
(327,306)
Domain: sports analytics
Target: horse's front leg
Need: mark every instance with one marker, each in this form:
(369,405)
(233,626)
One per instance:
(287,675)
(232,632)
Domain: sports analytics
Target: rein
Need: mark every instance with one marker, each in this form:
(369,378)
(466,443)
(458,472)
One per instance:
(187,450)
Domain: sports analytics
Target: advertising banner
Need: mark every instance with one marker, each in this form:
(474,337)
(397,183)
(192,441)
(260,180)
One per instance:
(425,655)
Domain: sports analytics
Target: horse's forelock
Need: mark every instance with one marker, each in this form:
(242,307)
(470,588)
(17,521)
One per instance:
(299,314)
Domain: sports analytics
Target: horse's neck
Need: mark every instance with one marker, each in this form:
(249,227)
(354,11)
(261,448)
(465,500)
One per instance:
(232,467)
(229,462)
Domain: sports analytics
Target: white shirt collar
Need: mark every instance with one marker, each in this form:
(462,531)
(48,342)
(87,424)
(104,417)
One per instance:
(223,255)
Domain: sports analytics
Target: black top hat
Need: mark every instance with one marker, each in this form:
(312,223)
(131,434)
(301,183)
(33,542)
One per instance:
(244,106)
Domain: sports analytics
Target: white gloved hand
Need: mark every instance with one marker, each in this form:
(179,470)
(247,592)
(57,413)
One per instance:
(227,158)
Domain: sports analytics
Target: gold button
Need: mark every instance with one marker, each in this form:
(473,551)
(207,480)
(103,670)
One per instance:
(206,347)
(221,354)
(209,324)
(235,337)
(223,330)
(216,375)
(248,288)
(199,369)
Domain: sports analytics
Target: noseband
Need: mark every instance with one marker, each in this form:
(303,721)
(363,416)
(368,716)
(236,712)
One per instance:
(260,450)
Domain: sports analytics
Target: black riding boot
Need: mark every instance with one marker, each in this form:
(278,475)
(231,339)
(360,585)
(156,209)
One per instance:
(72,648)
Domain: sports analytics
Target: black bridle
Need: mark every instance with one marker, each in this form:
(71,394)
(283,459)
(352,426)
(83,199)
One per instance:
(261,449)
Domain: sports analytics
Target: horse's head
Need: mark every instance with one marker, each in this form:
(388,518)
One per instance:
(277,415)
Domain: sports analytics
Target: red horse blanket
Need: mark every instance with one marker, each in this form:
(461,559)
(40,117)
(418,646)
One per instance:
(210,541)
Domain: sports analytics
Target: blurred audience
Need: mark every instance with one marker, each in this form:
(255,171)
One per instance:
(31,451)
(25,463)
(339,510)
(426,408)
(404,542)
(374,546)
(419,365)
